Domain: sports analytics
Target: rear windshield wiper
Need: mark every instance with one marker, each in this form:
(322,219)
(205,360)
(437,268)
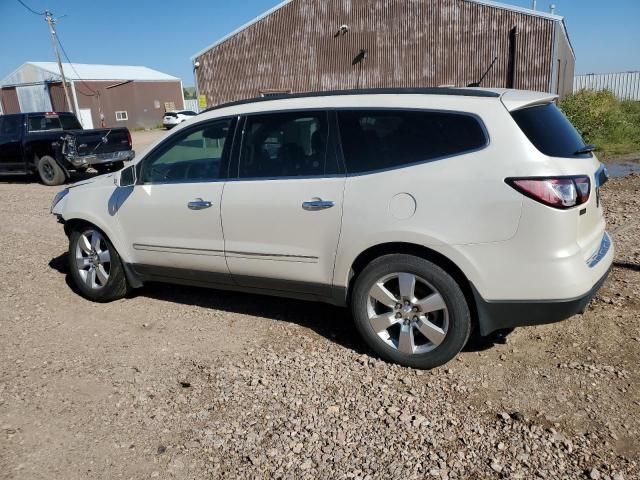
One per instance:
(586,149)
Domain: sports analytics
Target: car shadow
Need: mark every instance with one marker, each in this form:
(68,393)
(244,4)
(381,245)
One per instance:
(333,323)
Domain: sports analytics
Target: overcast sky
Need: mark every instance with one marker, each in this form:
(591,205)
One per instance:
(165,34)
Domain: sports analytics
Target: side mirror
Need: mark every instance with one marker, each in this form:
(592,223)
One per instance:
(127,177)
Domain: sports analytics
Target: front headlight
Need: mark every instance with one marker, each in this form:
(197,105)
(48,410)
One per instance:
(59,196)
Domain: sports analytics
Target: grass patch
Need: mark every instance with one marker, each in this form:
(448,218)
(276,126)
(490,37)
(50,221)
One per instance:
(611,124)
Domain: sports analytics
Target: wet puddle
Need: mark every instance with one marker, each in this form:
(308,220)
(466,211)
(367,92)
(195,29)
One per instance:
(622,169)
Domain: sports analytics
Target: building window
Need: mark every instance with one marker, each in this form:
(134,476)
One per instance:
(121,116)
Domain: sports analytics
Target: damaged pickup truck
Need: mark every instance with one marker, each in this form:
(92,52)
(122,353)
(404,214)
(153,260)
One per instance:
(54,144)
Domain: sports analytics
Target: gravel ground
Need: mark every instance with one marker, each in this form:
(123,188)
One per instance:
(187,383)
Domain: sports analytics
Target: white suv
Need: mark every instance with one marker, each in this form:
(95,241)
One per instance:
(429,212)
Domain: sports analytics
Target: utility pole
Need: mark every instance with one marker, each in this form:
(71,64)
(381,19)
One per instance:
(48,16)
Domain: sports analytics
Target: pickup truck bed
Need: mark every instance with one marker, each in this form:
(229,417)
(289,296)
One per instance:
(54,144)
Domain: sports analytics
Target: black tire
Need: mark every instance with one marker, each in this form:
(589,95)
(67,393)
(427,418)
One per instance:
(116,286)
(457,310)
(50,172)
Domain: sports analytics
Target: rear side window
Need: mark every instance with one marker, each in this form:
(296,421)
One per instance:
(550,131)
(10,125)
(381,139)
(282,145)
(39,123)
(70,122)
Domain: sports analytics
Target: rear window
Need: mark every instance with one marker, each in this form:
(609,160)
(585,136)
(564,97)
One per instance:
(381,139)
(550,131)
(39,123)
(171,114)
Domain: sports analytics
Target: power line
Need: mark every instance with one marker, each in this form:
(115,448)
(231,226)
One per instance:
(64,52)
(30,9)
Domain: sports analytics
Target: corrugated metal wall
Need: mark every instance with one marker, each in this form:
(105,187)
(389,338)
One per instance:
(58,99)
(409,43)
(625,86)
(9,99)
(144,102)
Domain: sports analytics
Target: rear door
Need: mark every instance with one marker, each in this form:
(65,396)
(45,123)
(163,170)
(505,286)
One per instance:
(282,212)
(11,143)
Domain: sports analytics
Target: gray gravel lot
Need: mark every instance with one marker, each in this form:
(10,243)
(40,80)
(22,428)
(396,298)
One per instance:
(188,383)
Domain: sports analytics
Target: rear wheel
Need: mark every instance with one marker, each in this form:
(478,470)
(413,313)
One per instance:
(410,311)
(50,172)
(95,266)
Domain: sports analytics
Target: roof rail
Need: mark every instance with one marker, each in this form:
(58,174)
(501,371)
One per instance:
(463,92)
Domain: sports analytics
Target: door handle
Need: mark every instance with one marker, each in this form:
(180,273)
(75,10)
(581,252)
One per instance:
(317,204)
(199,204)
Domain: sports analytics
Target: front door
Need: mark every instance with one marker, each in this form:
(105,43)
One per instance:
(282,213)
(171,219)
(10,144)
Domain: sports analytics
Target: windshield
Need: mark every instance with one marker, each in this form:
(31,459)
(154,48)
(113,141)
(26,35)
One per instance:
(550,131)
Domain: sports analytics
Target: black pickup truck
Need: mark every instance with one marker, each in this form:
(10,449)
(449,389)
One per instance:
(53,144)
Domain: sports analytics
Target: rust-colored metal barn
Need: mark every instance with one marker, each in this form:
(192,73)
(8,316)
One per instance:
(100,95)
(317,45)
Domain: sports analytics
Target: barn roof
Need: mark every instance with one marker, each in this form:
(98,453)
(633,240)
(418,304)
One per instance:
(489,3)
(84,71)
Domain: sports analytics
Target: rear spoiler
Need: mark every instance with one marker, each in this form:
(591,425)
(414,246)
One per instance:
(518,99)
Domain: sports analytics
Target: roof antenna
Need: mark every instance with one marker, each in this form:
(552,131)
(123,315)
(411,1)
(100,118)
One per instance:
(477,84)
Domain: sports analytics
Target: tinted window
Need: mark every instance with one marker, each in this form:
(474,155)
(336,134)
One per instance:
(188,112)
(9,126)
(44,122)
(70,122)
(550,131)
(284,145)
(191,156)
(379,139)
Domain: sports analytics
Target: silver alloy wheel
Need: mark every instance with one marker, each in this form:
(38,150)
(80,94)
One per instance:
(407,313)
(93,259)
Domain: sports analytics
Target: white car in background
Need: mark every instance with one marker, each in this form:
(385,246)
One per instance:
(429,212)
(171,119)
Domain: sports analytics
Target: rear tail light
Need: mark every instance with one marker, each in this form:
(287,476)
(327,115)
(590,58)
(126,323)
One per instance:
(557,192)
(129,139)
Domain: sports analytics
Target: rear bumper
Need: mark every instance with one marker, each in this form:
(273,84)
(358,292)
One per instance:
(498,315)
(101,158)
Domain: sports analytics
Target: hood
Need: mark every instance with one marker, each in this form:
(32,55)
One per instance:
(96,181)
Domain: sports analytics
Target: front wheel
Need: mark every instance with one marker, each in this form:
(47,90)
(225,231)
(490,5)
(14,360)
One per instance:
(95,266)
(410,311)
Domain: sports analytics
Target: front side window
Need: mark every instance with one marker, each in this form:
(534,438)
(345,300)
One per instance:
(195,155)
(381,139)
(285,145)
